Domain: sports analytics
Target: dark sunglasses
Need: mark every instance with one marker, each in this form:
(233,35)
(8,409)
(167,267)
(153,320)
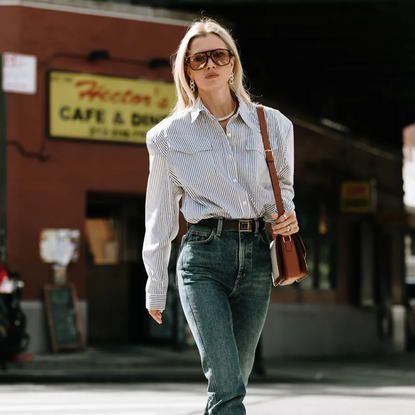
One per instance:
(198,61)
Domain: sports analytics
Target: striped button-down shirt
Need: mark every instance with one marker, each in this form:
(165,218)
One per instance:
(215,173)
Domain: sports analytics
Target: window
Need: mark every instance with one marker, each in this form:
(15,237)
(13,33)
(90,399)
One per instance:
(316,217)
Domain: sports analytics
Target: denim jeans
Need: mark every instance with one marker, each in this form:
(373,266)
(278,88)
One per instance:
(224,281)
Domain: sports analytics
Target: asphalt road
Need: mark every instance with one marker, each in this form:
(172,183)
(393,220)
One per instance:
(189,399)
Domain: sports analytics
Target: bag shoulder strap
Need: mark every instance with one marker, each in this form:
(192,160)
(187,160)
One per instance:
(270,160)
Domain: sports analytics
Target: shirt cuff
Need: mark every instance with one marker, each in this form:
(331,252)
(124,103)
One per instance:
(155,301)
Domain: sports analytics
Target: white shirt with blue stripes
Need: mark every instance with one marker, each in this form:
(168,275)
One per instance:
(215,173)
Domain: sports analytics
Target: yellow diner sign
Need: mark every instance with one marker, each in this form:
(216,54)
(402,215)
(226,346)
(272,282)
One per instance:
(358,196)
(96,107)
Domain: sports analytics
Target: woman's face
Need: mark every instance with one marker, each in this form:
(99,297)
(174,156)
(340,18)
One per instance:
(213,75)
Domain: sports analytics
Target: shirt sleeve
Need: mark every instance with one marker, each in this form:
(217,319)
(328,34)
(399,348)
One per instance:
(286,174)
(162,225)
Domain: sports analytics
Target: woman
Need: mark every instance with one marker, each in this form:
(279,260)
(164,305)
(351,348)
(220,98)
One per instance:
(210,154)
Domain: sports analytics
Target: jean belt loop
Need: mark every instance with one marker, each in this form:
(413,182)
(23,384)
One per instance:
(219,228)
(256,226)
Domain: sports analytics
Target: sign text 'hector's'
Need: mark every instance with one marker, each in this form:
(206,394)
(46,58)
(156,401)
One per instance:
(99,93)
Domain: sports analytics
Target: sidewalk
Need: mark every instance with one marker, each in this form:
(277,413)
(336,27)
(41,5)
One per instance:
(145,364)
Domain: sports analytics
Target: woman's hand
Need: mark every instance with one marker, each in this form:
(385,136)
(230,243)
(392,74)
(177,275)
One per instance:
(156,314)
(286,224)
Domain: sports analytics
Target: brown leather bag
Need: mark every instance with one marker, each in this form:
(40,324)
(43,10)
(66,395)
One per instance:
(288,253)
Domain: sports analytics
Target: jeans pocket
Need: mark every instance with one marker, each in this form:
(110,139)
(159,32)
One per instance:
(264,237)
(199,236)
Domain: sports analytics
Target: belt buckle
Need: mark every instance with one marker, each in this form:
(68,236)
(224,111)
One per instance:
(245,226)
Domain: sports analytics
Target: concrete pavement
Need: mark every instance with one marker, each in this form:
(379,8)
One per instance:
(189,399)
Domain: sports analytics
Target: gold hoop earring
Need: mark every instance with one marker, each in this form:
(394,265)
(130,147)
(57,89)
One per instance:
(192,85)
(231,78)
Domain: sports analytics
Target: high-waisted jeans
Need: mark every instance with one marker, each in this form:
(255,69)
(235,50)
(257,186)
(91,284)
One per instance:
(224,280)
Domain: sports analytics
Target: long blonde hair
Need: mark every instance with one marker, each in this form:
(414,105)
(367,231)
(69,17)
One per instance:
(200,28)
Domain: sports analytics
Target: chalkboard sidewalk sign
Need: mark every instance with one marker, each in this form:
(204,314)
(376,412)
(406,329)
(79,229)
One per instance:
(62,313)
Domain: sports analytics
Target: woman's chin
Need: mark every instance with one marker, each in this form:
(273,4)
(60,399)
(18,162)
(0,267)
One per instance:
(207,89)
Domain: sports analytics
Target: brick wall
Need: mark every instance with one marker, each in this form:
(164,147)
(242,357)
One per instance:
(52,193)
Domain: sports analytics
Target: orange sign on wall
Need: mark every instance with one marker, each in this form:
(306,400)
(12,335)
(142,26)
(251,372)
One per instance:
(358,196)
(97,107)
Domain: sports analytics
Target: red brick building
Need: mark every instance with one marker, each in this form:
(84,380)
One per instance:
(49,180)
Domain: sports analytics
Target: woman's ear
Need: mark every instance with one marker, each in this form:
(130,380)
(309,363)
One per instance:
(232,62)
(188,70)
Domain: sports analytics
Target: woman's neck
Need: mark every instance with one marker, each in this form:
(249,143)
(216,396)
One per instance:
(218,103)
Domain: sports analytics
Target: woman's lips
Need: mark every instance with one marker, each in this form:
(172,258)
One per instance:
(212,75)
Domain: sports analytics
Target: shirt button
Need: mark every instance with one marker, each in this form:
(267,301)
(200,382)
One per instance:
(229,134)
(230,156)
(235,180)
(244,203)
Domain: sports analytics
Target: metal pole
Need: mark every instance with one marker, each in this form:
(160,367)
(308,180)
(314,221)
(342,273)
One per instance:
(3,170)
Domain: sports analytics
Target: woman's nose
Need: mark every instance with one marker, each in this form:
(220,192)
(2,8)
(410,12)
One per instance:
(211,60)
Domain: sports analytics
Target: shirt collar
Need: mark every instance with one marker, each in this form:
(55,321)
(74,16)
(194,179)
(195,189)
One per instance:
(246,111)
(197,109)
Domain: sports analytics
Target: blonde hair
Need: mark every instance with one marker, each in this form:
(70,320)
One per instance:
(200,28)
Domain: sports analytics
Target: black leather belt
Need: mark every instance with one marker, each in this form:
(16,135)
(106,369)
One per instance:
(241,225)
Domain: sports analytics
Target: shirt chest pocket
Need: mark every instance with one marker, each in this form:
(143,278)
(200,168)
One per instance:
(258,168)
(192,162)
